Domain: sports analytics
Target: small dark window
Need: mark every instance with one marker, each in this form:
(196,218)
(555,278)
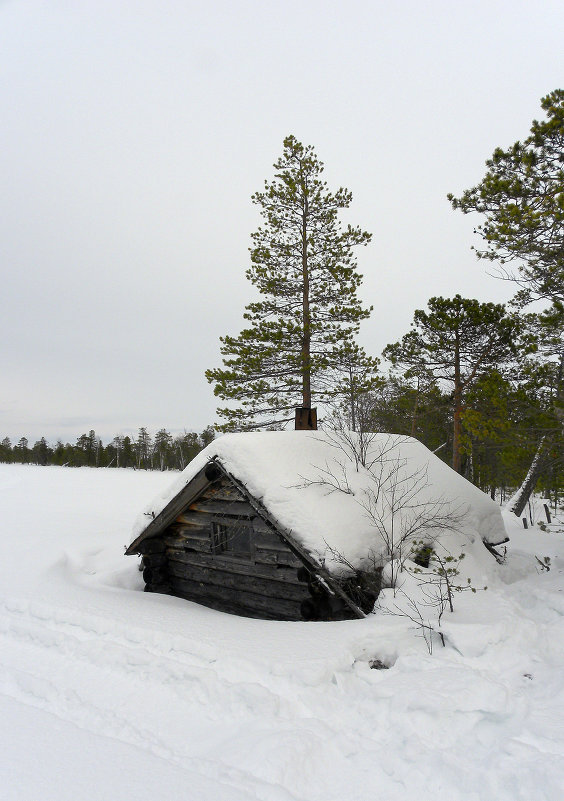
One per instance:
(219,537)
(232,539)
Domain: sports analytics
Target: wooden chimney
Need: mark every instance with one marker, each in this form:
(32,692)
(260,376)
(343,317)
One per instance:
(306,419)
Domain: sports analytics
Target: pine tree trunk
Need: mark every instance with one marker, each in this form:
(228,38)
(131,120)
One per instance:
(353,400)
(456,461)
(414,413)
(306,320)
(558,410)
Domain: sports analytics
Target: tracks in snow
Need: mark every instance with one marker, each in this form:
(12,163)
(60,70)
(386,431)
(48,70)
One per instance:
(143,688)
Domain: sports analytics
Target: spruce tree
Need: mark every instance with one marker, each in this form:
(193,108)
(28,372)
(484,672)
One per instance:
(41,452)
(21,451)
(6,450)
(143,449)
(127,454)
(302,328)
(163,447)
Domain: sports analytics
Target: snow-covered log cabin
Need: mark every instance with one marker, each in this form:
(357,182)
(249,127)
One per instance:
(285,525)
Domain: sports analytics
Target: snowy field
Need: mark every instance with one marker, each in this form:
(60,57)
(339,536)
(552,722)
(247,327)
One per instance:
(107,692)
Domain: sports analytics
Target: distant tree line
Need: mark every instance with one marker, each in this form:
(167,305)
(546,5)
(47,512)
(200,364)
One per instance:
(163,451)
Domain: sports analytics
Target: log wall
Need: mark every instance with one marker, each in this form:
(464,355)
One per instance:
(266,580)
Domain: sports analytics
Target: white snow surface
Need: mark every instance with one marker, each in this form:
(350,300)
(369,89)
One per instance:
(110,692)
(310,482)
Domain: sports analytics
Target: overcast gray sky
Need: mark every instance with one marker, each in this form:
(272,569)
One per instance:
(133,134)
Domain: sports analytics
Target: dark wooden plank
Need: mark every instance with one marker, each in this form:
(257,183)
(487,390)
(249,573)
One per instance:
(223,508)
(155,560)
(264,527)
(223,491)
(226,563)
(277,607)
(185,543)
(271,547)
(267,538)
(164,589)
(212,577)
(283,558)
(238,567)
(190,520)
(154,545)
(155,575)
(270,544)
(202,531)
(232,608)
(266,545)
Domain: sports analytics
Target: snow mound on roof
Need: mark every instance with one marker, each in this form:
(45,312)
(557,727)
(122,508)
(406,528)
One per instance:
(340,509)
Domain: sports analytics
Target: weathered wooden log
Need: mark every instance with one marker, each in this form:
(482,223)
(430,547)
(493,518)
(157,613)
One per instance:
(269,544)
(265,551)
(235,508)
(212,472)
(265,528)
(303,574)
(281,558)
(157,560)
(308,610)
(223,563)
(190,520)
(216,579)
(234,609)
(188,543)
(279,608)
(153,545)
(491,547)
(164,589)
(272,545)
(223,492)
(199,531)
(153,575)
(535,471)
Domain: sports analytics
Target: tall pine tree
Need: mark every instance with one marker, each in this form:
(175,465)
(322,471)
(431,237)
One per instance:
(303,327)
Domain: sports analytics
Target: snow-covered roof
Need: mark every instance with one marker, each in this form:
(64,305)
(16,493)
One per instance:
(332,503)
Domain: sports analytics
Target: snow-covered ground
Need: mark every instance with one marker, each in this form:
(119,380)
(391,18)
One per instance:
(109,692)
